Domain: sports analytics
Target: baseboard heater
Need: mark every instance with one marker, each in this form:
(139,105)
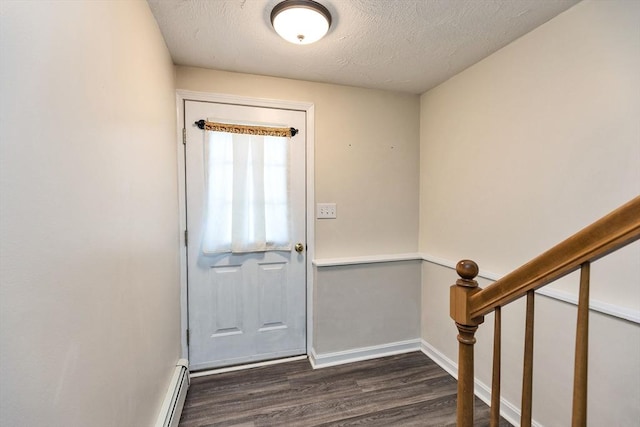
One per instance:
(174,400)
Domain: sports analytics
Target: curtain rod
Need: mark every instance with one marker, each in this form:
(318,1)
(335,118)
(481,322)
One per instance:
(246,130)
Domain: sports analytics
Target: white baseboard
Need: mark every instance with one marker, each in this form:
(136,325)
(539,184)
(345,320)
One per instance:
(443,361)
(508,410)
(173,403)
(324,360)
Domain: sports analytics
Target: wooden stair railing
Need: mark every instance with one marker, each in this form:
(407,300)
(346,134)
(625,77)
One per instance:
(470,303)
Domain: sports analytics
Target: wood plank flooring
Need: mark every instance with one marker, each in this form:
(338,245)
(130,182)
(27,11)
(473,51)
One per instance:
(404,390)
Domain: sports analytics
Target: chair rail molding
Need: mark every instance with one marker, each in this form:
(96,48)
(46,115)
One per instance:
(606,308)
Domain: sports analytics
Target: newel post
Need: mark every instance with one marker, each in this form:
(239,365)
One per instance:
(464,288)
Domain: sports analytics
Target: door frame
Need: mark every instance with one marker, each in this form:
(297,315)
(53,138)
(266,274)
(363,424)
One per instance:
(309,109)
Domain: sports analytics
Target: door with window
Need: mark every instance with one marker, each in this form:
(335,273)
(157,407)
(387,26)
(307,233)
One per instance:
(246,258)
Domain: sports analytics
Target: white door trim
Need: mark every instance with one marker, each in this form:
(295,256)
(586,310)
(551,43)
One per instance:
(185,95)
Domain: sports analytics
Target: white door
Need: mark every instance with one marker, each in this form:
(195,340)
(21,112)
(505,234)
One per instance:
(252,306)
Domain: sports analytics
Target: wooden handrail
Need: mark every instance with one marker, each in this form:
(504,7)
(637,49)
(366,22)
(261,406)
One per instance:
(604,236)
(470,303)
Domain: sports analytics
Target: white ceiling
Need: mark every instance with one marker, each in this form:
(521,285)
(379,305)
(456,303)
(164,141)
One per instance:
(402,45)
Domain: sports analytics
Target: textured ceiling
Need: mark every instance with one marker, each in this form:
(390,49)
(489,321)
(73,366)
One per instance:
(403,45)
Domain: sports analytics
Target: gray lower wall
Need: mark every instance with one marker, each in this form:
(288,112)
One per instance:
(366,305)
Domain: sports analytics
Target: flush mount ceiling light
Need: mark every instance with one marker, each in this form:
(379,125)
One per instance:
(300,21)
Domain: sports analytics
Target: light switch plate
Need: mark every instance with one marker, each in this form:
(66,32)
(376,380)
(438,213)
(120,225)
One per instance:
(326,211)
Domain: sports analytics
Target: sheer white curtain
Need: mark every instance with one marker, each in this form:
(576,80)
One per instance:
(247,195)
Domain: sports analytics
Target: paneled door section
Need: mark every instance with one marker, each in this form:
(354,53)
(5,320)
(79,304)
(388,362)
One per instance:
(243,307)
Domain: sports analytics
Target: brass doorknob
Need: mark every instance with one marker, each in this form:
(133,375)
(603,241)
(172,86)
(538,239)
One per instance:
(299,247)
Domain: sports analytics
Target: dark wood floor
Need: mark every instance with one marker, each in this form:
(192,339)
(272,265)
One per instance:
(403,390)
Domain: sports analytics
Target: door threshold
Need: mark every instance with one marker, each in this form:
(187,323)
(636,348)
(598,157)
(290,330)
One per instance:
(246,366)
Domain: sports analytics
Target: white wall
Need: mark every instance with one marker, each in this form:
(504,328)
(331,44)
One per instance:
(366,161)
(366,157)
(89,293)
(517,153)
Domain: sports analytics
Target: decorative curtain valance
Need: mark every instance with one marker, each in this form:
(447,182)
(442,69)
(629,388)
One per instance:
(246,130)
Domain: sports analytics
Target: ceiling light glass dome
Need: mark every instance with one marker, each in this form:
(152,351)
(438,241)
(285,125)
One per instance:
(300,21)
